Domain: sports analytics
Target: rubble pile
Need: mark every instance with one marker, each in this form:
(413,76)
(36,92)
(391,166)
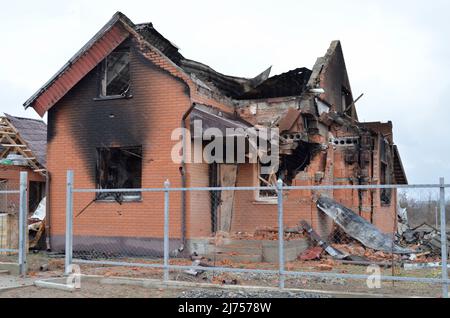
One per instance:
(229,294)
(425,237)
(268,233)
(423,241)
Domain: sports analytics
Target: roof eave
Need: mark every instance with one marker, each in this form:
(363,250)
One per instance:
(399,159)
(118,16)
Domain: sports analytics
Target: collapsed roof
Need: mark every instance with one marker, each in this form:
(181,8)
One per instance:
(328,76)
(261,86)
(119,28)
(291,83)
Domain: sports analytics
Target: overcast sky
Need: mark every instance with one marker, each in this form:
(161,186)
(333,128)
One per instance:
(397,54)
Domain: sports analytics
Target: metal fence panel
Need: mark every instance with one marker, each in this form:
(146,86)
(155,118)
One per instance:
(120,233)
(318,250)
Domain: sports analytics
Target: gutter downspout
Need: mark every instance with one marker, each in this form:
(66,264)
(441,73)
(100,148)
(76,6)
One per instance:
(47,212)
(183,179)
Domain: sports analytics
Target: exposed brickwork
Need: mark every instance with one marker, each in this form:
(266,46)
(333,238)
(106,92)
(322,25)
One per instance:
(11,176)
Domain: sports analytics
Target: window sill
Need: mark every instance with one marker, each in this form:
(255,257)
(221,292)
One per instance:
(112,97)
(266,201)
(115,201)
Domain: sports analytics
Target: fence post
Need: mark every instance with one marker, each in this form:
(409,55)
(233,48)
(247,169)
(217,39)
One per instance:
(443,238)
(166,230)
(23,214)
(69,221)
(280,233)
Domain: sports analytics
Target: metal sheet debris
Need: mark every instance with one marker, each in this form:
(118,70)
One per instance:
(322,243)
(358,228)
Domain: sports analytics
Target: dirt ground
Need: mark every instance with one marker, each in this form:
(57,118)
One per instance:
(54,267)
(98,290)
(92,290)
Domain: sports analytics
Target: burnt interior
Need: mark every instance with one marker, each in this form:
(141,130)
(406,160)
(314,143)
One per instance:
(119,168)
(385,176)
(292,83)
(291,165)
(115,79)
(36,193)
(266,179)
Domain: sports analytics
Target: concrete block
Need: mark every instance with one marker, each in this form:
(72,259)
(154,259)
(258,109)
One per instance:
(53,285)
(238,249)
(11,268)
(238,258)
(291,250)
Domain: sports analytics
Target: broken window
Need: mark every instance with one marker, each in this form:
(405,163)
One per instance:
(119,168)
(36,191)
(266,179)
(115,79)
(385,194)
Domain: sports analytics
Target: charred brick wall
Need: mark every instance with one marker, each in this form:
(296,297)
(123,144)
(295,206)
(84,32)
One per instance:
(250,214)
(333,77)
(79,124)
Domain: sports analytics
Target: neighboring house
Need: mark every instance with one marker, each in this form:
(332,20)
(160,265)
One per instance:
(23,143)
(22,148)
(111,113)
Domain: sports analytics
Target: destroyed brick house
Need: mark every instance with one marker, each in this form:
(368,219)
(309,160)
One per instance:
(111,112)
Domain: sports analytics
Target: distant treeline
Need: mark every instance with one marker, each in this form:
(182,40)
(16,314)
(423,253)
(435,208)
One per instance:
(420,211)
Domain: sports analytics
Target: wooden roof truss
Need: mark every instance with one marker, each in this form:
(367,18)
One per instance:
(12,143)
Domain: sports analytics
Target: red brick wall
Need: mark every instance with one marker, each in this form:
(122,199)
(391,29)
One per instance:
(198,202)
(12,176)
(158,103)
(161,95)
(250,214)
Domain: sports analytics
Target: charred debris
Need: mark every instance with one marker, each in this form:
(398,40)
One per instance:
(310,107)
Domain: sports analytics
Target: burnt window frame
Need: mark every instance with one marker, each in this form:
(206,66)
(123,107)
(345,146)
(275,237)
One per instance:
(120,197)
(102,93)
(385,194)
(259,183)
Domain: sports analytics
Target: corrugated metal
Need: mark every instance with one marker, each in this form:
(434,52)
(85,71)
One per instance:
(80,68)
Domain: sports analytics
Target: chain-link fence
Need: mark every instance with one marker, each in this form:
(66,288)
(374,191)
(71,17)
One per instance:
(392,241)
(13,226)
(110,228)
(378,239)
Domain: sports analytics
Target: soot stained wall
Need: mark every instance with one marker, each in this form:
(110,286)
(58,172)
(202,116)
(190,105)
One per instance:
(79,125)
(110,123)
